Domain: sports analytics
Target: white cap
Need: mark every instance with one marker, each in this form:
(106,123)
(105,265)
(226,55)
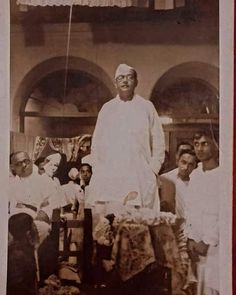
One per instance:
(123,69)
(55,158)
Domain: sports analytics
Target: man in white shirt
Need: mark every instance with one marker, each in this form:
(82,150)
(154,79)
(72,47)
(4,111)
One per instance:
(31,193)
(76,189)
(180,177)
(203,214)
(182,146)
(127,147)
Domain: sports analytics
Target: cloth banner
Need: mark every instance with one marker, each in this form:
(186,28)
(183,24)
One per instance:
(90,3)
(38,146)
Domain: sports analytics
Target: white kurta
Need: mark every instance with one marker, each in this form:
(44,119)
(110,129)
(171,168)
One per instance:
(181,191)
(127,151)
(35,190)
(203,218)
(73,192)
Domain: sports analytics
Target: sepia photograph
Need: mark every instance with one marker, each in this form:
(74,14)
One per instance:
(119,147)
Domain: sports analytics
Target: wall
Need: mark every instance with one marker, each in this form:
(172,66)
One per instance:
(152,48)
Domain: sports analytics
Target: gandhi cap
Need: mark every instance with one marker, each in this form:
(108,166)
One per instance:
(123,69)
(55,158)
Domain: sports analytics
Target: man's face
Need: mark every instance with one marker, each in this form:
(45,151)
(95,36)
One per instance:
(125,83)
(204,148)
(186,164)
(182,147)
(50,168)
(21,164)
(85,174)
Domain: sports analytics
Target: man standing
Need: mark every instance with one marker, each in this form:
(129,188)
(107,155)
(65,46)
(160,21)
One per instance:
(127,146)
(203,214)
(182,146)
(180,177)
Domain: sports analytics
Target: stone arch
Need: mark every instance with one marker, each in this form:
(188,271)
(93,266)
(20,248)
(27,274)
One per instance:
(181,123)
(49,66)
(203,72)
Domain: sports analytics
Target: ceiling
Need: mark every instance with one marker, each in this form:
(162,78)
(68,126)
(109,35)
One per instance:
(194,11)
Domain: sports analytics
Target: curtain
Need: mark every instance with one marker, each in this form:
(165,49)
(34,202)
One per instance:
(90,3)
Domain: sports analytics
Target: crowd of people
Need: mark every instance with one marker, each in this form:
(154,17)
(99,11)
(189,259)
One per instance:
(123,162)
(34,193)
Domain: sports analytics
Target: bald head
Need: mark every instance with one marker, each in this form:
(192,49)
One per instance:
(21,164)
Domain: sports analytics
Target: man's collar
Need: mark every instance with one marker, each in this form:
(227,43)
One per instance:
(122,101)
(184,180)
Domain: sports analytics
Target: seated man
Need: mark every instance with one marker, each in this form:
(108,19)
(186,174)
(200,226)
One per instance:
(31,193)
(38,195)
(76,189)
(85,174)
(22,270)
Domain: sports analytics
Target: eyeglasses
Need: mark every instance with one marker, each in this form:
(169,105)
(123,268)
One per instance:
(20,163)
(129,77)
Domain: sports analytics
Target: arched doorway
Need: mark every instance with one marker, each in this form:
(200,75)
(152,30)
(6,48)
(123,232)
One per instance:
(187,99)
(49,105)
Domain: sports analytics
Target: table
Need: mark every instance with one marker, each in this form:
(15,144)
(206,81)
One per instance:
(138,248)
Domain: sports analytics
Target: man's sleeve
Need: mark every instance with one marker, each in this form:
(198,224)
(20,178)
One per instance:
(157,142)
(52,197)
(211,230)
(97,139)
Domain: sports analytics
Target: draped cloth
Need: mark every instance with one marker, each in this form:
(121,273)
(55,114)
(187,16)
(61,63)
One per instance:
(90,3)
(132,250)
(137,246)
(39,146)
